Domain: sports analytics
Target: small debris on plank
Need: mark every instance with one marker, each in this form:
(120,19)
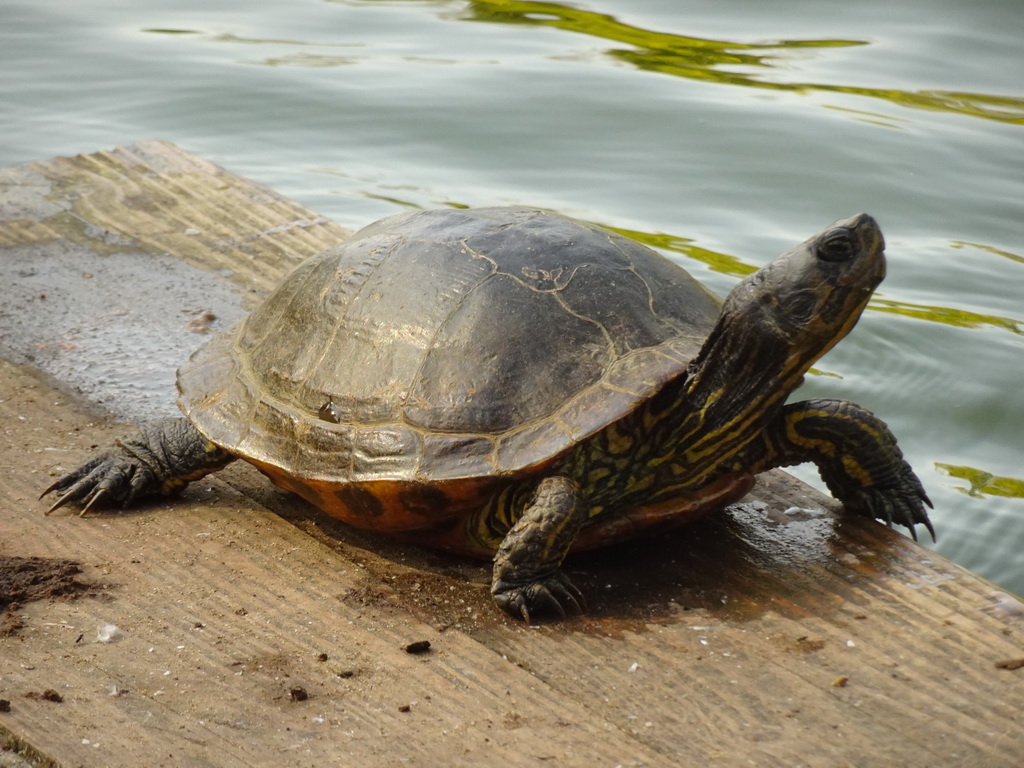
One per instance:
(109,633)
(807,645)
(201,322)
(48,695)
(420,646)
(1010,664)
(298,694)
(840,682)
(1004,606)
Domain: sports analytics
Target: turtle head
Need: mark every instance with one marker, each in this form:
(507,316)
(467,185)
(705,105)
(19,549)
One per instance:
(809,298)
(778,321)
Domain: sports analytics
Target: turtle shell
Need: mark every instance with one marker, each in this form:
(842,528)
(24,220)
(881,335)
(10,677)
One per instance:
(444,349)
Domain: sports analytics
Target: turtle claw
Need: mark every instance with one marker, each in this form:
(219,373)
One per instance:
(110,478)
(901,505)
(97,496)
(61,501)
(554,597)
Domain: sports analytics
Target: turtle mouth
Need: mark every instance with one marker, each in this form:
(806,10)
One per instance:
(868,228)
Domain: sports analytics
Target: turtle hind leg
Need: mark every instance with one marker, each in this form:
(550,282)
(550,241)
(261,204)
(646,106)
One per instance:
(161,458)
(528,582)
(856,454)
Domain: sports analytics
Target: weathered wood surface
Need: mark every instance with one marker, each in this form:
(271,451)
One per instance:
(754,638)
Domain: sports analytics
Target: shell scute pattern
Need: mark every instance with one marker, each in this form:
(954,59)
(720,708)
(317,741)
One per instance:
(443,347)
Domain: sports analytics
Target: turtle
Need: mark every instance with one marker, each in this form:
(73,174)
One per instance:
(515,384)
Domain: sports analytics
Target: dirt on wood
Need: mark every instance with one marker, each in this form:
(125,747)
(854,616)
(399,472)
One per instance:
(28,579)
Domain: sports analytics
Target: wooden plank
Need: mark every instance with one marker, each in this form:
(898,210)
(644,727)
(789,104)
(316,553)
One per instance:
(768,635)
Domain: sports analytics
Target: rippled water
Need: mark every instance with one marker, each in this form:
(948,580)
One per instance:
(722,133)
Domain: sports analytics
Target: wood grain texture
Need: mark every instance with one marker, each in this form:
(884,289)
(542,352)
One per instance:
(154,196)
(776,634)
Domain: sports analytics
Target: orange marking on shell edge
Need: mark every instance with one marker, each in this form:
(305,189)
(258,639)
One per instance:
(393,513)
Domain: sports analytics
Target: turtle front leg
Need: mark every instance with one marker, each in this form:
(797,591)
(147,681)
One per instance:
(161,458)
(527,576)
(857,457)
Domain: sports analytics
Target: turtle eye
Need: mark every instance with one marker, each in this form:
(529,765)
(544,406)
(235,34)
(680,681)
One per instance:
(836,246)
